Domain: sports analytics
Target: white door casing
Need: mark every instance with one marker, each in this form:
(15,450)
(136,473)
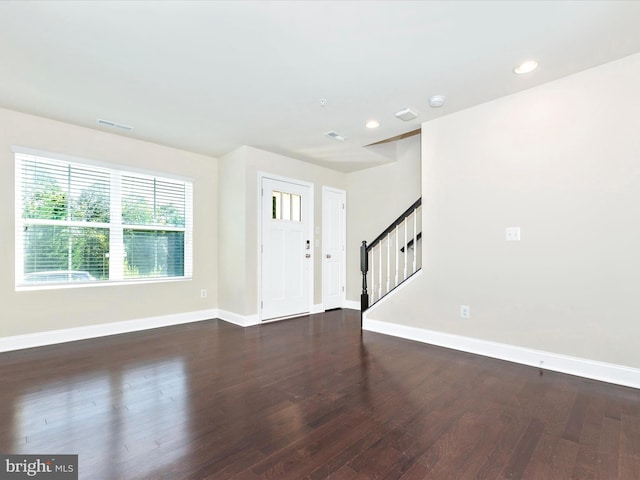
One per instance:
(333,247)
(286,248)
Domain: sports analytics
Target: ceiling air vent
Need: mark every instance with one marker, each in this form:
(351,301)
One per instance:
(406,114)
(335,135)
(110,124)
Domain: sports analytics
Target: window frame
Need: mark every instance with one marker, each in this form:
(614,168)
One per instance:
(116,225)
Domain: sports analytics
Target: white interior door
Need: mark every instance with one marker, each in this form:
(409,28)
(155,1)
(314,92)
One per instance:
(286,251)
(333,245)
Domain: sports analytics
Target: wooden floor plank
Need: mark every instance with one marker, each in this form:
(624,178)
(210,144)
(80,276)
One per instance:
(521,455)
(308,398)
(608,449)
(629,460)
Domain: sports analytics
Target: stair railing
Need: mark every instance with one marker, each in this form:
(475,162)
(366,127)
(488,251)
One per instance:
(392,258)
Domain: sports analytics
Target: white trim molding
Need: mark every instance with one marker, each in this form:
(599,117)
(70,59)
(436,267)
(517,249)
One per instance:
(352,304)
(605,372)
(392,293)
(51,337)
(240,320)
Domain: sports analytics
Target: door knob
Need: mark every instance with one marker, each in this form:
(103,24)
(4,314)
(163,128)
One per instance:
(308,255)
(328,255)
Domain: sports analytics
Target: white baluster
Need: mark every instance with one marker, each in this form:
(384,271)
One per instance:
(419,213)
(380,272)
(373,275)
(388,262)
(415,239)
(406,249)
(397,254)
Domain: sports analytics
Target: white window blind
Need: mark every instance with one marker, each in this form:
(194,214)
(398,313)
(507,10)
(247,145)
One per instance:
(83,223)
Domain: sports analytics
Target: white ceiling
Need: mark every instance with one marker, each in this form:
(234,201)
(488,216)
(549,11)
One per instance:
(211,76)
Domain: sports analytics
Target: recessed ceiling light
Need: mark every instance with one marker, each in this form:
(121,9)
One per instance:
(526,67)
(406,114)
(372,124)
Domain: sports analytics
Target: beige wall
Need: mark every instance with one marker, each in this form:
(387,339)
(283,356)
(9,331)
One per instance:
(232,238)
(247,162)
(561,161)
(377,196)
(35,311)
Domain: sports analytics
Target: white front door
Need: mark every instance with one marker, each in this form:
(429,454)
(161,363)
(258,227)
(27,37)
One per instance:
(287,252)
(333,240)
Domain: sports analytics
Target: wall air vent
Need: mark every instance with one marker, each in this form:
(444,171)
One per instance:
(110,124)
(335,135)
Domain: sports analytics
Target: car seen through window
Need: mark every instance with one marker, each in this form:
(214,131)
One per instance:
(59,276)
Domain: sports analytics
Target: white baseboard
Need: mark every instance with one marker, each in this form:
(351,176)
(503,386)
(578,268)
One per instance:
(606,372)
(236,319)
(352,304)
(39,339)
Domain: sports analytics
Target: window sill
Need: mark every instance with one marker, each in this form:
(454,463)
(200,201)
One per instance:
(114,283)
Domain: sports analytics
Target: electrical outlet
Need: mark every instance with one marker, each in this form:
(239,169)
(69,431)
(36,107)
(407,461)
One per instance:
(465,311)
(203,293)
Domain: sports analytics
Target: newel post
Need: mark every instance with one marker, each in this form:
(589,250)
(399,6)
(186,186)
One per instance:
(364,268)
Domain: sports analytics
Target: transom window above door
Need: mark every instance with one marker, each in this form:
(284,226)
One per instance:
(285,206)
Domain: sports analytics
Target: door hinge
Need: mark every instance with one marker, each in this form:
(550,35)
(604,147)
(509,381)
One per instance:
(261,305)
(343,288)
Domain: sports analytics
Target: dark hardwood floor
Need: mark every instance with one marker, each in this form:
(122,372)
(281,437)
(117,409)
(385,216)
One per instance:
(308,398)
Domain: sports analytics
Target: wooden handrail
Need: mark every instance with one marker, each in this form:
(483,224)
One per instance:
(397,222)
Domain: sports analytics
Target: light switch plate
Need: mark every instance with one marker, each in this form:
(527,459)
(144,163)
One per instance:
(512,234)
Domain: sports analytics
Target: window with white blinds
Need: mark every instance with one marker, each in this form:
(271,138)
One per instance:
(78,222)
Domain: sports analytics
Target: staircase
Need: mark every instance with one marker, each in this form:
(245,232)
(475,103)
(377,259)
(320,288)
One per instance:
(392,258)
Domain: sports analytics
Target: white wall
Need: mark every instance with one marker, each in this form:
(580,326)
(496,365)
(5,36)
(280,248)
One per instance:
(377,196)
(561,161)
(38,311)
